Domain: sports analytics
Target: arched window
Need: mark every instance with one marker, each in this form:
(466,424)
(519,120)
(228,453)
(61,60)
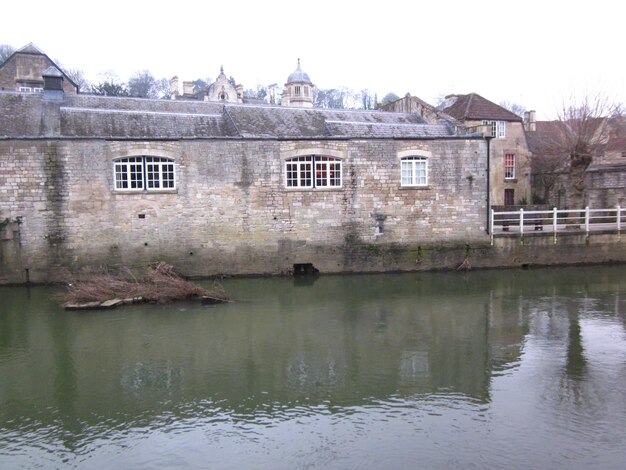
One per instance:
(144,173)
(414,171)
(313,171)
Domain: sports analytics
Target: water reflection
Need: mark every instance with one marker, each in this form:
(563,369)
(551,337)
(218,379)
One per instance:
(514,353)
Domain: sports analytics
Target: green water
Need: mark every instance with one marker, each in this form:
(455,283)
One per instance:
(491,369)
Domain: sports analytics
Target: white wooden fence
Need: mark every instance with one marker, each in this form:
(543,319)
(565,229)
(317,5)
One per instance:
(557,220)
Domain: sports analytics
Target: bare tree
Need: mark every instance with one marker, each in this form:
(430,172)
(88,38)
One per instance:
(515,108)
(142,85)
(549,162)
(583,132)
(389,98)
(78,77)
(564,149)
(5,52)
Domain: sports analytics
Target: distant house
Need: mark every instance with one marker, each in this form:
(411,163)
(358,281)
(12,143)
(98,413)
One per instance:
(23,71)
(604,184)
(509,155)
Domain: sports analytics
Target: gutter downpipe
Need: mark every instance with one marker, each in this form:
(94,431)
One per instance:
(488,225)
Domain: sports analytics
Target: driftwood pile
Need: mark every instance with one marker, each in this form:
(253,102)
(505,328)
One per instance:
(159,285)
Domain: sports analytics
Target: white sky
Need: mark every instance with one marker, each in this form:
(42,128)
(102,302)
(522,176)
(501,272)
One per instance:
(535,53)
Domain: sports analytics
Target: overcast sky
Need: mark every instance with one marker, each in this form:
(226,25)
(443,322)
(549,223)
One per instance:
(535,53)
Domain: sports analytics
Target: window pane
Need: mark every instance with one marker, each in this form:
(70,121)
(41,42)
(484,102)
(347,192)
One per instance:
(407,173)
(136,176)
(121,176)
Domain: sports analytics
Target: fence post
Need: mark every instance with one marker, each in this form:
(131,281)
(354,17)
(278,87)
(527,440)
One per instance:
(521,222)
(554,222)
(587,220)
(619,222)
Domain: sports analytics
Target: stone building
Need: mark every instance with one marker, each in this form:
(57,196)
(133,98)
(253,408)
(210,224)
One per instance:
(221,90)
(227,188)
(23,71)
(510,182)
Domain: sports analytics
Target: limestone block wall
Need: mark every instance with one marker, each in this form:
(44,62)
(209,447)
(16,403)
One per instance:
(606,188)
(231,212)
(515,143)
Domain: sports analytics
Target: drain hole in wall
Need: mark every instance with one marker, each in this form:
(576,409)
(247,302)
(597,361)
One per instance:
(302,269)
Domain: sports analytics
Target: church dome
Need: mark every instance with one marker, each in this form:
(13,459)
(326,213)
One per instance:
(299,75)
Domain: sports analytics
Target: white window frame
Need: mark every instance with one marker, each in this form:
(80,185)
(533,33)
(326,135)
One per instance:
(414,171)
(313,172)
(498,128)
(25,89)
(144,173)
(509,170)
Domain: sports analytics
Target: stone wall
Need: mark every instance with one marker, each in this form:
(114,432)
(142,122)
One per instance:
(231,212)
(515,143)
(605,188)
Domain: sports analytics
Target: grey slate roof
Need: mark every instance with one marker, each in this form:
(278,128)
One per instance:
(475,107)
(90,116)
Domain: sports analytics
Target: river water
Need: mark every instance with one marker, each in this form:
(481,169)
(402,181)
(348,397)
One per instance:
(486,369)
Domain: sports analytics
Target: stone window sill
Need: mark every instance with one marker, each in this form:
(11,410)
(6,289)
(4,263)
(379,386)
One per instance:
(143,191)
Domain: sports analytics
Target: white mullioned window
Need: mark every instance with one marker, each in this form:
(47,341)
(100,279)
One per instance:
(414,171)
(144,174)
(313,171)
(509,166)
(498,128)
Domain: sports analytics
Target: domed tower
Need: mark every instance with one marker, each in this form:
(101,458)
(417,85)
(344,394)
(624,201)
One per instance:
(298,89)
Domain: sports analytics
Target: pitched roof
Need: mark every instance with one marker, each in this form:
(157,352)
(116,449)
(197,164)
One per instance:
(90,116)
(30,48)
(546,136)
(473,107)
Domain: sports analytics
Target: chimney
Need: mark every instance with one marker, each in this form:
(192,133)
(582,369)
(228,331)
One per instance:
(52,84)
(532,120)
(187,88)
(174,87)
(239,90)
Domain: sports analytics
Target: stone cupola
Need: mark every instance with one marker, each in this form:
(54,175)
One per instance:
(298,89)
